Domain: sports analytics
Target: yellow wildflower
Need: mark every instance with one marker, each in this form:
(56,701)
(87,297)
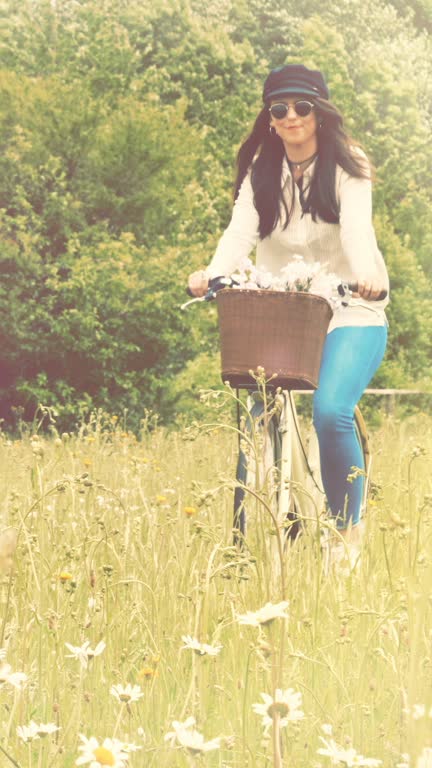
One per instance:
(65,576)
(147,673)
(190,511)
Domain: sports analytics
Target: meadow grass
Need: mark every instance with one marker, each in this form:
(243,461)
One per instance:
(129,541)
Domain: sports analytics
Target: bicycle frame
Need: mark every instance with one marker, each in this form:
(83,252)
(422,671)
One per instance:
(300,478)
(300,481)
(298,489)
(299,492)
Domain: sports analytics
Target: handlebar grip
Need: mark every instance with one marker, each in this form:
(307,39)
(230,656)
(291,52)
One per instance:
(217,283)
(354,288)
(214,284)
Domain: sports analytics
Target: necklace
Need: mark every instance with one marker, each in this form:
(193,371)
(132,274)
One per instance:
(303,163)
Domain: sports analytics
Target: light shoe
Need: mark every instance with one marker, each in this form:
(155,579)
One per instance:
(344,557)
(344,552)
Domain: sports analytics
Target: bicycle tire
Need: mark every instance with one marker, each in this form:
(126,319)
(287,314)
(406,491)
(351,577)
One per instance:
(267,460)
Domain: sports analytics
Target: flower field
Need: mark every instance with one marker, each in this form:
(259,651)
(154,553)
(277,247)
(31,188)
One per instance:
(134,634)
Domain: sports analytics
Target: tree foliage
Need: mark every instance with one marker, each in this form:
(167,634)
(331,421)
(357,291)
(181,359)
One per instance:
(119,124)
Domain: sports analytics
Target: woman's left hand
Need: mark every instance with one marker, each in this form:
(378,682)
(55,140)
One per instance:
(367,289)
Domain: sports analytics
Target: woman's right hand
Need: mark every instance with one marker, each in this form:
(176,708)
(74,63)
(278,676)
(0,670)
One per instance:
(198,283)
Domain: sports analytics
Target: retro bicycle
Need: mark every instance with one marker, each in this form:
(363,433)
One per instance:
(278,460)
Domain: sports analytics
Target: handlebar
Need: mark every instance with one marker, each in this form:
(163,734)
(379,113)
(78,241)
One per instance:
(215,284)
(345,290)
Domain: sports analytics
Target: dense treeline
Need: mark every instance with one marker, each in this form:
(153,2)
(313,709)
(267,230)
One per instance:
(119,124)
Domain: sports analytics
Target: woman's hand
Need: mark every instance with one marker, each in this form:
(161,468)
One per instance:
(367,289)
(198,283)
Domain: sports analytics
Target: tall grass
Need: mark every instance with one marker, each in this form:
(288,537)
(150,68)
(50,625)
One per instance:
(129,541)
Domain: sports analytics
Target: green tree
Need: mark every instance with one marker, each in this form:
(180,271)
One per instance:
(119,124)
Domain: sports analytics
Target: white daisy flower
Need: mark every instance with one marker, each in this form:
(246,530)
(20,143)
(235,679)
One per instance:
(295,276)
(418,711)
(286,703)
(202,649)
(45,729)
(28,732)
(128,747)
(17,679)
(189,738)
(84,653)
(348,757)
(405,761)
(265,615)
(327,729)
(126,694)
(425,758)
(34,731)
(111,752)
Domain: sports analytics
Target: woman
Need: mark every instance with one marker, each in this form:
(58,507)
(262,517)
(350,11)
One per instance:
(304,188)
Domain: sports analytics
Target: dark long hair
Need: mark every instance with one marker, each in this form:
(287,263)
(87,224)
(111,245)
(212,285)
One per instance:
(264,151)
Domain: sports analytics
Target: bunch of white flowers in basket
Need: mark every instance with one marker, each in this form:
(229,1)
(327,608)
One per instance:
(298,275)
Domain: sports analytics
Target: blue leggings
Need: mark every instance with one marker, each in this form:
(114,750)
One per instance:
(350,358)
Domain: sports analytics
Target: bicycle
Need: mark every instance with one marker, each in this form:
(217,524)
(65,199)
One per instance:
(276,464)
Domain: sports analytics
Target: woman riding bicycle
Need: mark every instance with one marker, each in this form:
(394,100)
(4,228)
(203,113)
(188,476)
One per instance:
(304,188)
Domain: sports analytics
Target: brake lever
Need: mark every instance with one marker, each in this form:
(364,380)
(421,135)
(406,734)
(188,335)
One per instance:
(193,301)
(215,285)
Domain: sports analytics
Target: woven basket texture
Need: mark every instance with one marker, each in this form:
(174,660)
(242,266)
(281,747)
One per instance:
(282,332)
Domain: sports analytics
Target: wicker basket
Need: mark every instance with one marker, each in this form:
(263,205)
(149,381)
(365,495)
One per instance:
(282,332)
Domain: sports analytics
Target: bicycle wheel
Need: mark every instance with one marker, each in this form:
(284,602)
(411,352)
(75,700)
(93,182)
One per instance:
(309,503)
(257,461)
(265,466)
(290,466)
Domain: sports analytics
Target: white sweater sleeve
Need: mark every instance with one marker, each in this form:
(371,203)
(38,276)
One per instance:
(356,227)
(241,235)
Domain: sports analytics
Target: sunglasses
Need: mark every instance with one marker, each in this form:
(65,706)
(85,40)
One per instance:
(302,108)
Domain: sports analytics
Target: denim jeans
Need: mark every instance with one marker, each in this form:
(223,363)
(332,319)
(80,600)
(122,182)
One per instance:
(350,358)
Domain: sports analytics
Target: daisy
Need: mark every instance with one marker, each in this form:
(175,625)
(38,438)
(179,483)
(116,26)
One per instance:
(28,732)
(126,694)
(405,761)
(111,752)
(265,615)
(425,759)
(84,653)
(327,729)
(33,731)
(45,729)
(202,649)
(286,703)
(418,711)
(186,736)
(349,757)
(17,679)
